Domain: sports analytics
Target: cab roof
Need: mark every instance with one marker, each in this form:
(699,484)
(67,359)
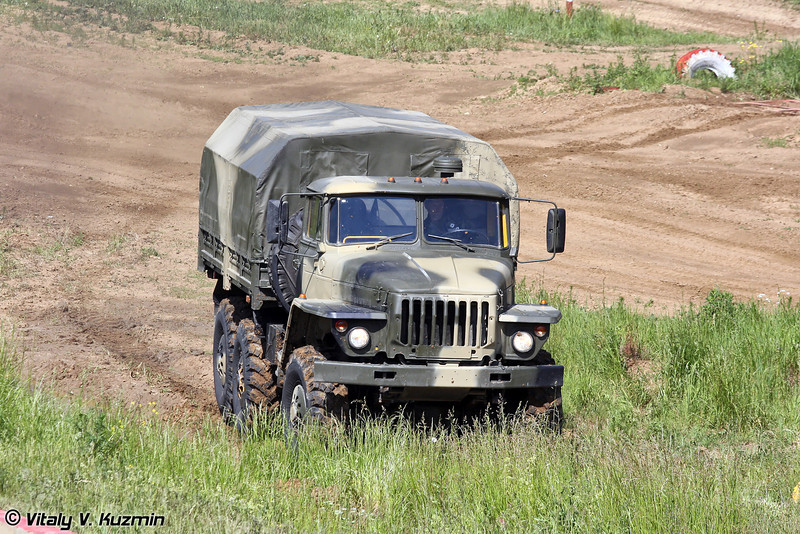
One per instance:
(405,185)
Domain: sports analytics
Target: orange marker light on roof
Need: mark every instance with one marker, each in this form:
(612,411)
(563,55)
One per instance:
(444,181)
(542,302)
(418,180)
(302,296)
(391,180)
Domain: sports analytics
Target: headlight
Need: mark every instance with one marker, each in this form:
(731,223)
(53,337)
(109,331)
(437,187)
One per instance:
(522,342)
(358,338)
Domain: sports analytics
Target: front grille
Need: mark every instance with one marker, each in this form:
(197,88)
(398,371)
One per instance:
(444,322)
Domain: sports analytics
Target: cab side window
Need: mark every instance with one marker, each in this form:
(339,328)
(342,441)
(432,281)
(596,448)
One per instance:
(313,228)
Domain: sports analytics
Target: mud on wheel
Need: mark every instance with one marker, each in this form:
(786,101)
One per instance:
(224,340)
(542,406)
(252,385)
(305,399)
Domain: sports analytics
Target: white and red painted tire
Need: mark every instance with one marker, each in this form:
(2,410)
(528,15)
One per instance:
(705,59)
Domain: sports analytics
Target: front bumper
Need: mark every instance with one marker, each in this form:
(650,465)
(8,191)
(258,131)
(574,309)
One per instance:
(440,376)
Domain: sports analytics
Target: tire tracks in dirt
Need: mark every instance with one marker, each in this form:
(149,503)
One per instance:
(118,337)
(570,126)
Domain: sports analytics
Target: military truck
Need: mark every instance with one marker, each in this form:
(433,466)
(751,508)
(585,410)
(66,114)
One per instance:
(368,254)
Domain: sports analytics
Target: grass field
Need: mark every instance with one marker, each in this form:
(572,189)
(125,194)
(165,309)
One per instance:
(375,29)
(683,423)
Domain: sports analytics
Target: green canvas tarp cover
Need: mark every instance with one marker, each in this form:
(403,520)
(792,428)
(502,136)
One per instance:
(261,152)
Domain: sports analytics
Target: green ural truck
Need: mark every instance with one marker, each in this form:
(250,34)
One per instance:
(368,254)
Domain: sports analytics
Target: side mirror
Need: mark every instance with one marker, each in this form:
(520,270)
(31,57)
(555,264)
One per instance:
(273,220)
(556,230)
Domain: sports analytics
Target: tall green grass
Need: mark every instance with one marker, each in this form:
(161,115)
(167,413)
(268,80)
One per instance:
(640,74)
(370,30)
(726,366)
(684,423)
(774,74)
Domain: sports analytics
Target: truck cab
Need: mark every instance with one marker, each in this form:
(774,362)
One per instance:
(407,288)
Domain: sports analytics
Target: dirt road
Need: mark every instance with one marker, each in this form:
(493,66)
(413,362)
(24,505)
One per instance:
(668,195)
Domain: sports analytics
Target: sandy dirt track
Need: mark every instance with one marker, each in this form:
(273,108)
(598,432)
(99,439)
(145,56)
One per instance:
(668,195)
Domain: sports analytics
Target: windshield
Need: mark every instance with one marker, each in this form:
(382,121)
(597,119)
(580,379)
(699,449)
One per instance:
(393,219)
(367,219)
(475,221)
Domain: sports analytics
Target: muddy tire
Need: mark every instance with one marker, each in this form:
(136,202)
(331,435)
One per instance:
(222,351)
(304,399)
(544,407)
(541,406)
(252,385)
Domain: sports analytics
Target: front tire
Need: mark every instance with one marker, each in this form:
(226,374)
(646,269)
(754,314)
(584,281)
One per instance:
(304,399)
(542,406)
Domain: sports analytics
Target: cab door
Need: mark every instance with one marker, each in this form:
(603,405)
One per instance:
(309,249)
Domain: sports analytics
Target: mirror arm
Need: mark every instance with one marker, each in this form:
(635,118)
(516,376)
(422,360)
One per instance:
(553,254)
(536,200)
(538,261)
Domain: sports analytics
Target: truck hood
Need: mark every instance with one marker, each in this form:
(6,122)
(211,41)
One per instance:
(420,273)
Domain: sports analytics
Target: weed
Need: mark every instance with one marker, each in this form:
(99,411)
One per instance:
(8,264)
(305,58)
(116,243)
(50,251)
(275,54)
(149,252)
(639,75)
(771,75)
(60,246)
(77,239)
(775,142)
(184,293)
(719,304)
(140,371)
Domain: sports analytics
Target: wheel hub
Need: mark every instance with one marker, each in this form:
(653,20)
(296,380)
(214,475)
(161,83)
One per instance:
(220,364)
(240,380)
(298,408)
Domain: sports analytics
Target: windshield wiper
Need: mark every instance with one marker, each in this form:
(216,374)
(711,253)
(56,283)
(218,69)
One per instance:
(388,240)
(454,241)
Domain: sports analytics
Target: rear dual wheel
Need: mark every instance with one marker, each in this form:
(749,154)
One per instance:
(253,386)
(224,340)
